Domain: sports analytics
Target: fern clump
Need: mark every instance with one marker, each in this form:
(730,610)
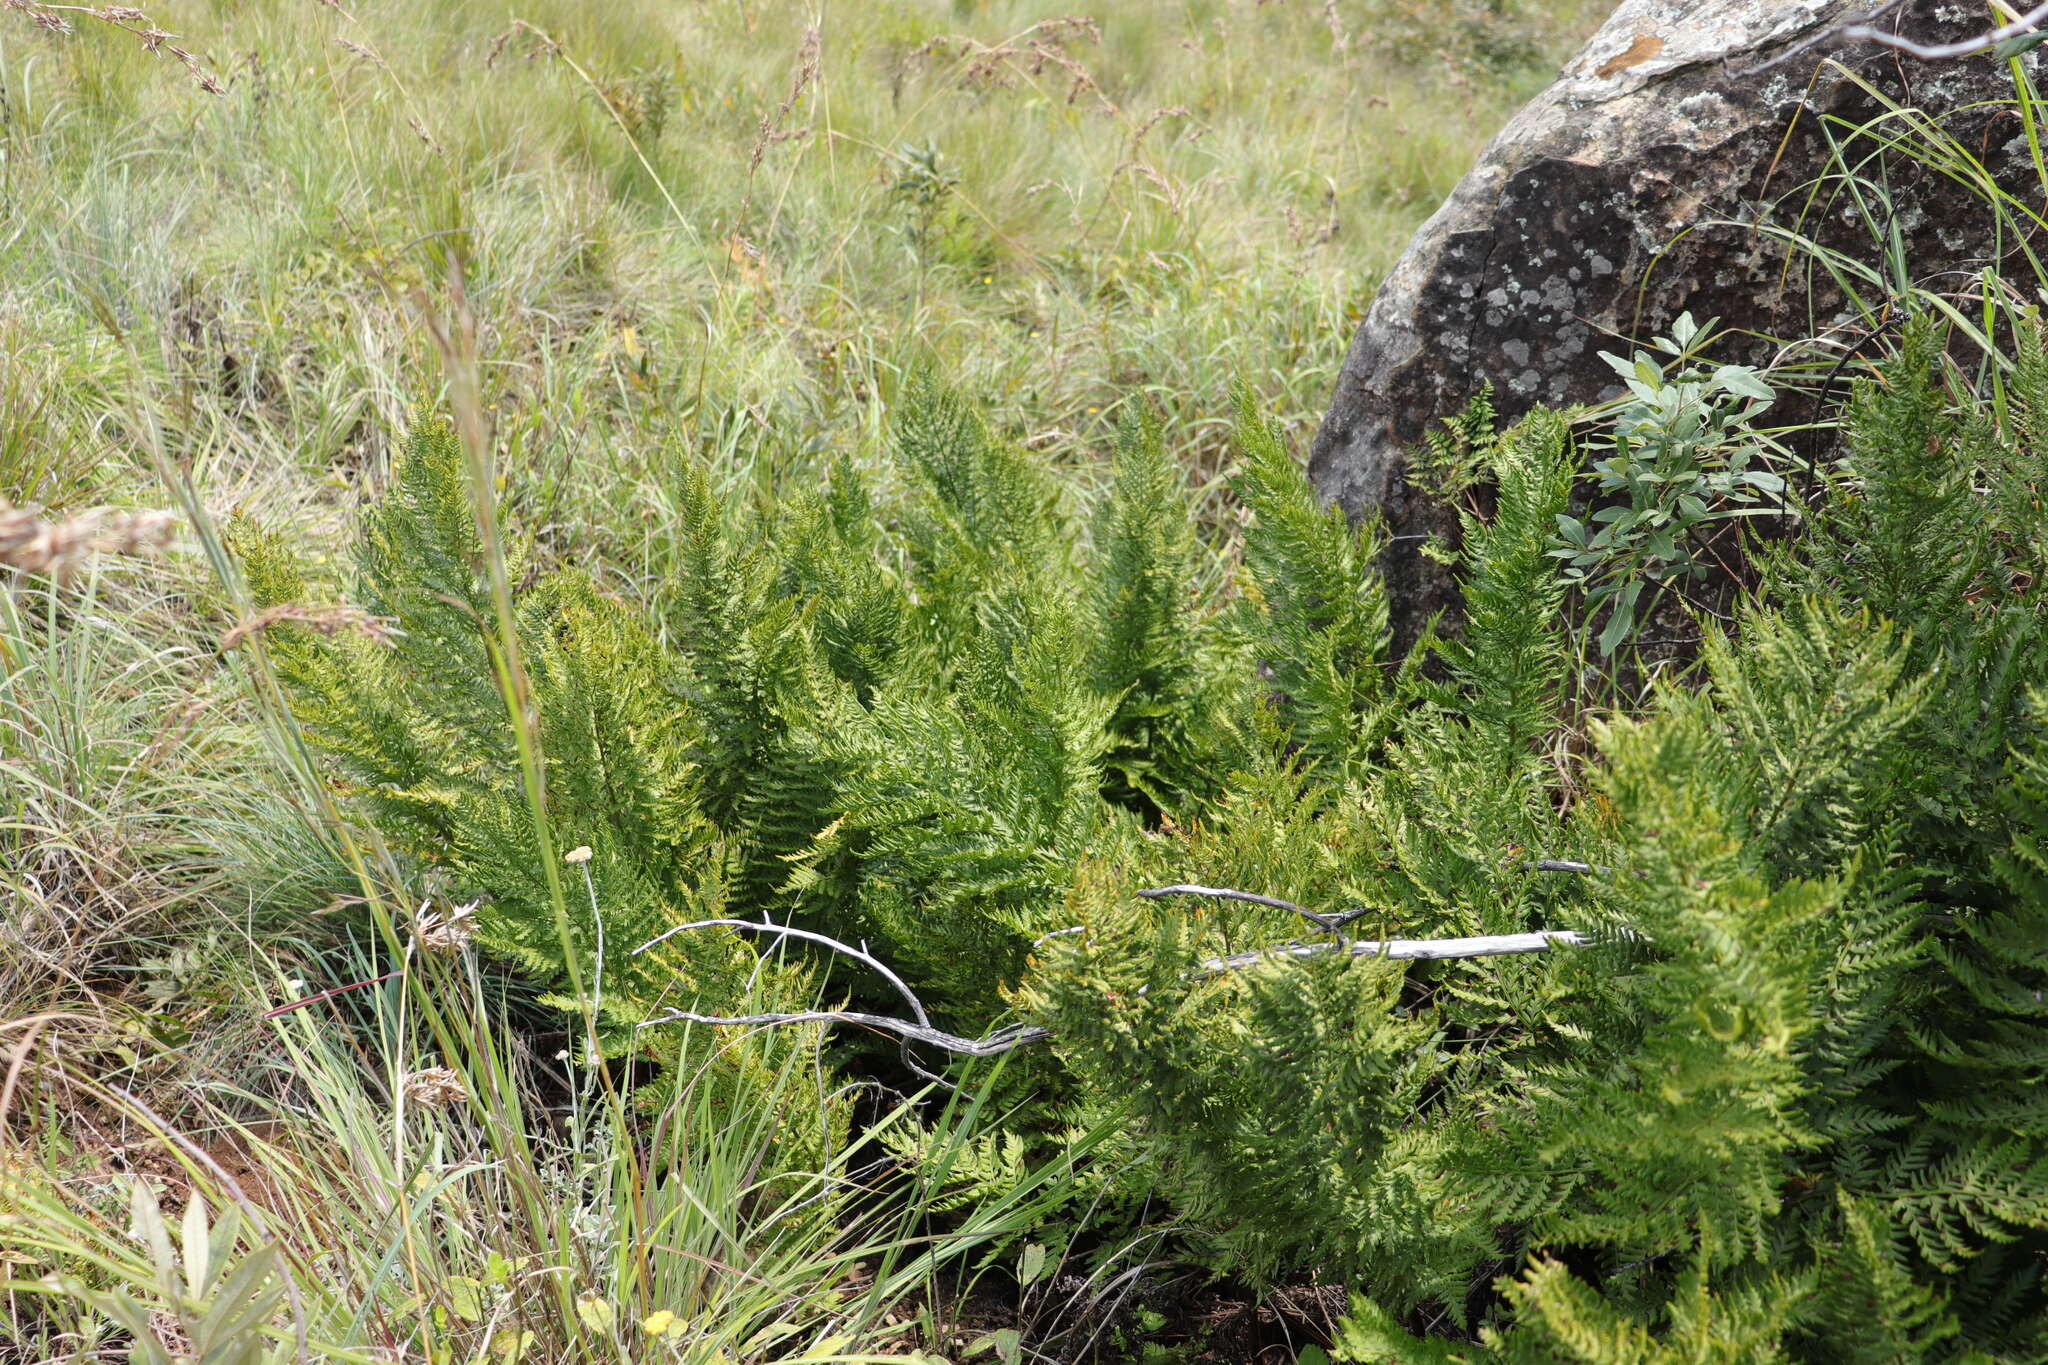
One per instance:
(1787,1088)
(1781,1101)
(1316,607)
(897,709)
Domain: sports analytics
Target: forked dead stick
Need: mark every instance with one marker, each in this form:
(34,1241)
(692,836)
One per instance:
(920,1028)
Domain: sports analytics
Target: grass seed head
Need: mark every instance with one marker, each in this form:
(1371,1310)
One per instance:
(445,934)
(55,548)
(435,1087)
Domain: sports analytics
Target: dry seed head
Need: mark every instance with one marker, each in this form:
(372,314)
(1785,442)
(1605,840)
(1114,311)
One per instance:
(539,44)
(320,620)
(126,18)
(435,1087)
(806,75)
(365,51)
(34,545)
(445,934)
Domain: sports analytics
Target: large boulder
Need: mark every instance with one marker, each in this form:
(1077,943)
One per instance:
(1621,197)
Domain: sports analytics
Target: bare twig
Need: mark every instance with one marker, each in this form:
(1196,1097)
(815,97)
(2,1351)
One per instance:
(1867,32)
(920,1031)
(860,955)
(1327,923)
(1002,1040)
(1022,1035)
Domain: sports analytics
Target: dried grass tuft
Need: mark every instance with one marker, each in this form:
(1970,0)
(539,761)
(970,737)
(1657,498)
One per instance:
(435,1087)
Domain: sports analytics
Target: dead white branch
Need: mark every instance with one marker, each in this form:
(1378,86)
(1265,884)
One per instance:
(2025,24)
(1865,30)
(1409,949)
(1002,1040)
(921,1030)
(861,954)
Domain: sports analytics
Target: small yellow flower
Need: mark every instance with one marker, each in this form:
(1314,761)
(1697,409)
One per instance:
(578,854)
(663,1324)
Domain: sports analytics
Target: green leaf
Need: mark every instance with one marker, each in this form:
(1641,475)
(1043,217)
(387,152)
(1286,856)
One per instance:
(1744,380)
(193,1233)
(1622,621)
(465,1297)
(595,1313)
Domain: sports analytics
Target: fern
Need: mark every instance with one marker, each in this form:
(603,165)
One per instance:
(1320,618)
(422,740)
(1152,653)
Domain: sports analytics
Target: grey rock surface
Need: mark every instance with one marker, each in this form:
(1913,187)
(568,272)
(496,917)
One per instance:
(1617,199)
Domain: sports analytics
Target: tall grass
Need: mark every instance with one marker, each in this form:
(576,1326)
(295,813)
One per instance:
(647,266)
(496,1209)
(128,792)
